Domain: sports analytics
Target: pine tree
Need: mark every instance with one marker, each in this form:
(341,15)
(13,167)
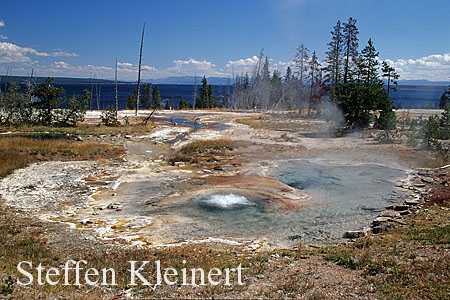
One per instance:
(368,64)
(334,56)
(288,76)
(212,101)
(203,99)
(15,106)
(245,81)
(351,44)
(315,78)
(365,93)
(276,90)
(49,99)
(301,60)
(265,75)
(391,75)
(131,102)
(445,99)
(146,97)
(156,98)
(183,104)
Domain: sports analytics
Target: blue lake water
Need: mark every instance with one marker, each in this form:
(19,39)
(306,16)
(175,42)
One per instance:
(106,93)
(418,96)
(407,96)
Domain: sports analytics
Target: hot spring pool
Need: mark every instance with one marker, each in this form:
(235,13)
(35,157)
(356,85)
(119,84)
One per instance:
(343,197)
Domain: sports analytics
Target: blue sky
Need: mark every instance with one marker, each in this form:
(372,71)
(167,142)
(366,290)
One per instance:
(213,38)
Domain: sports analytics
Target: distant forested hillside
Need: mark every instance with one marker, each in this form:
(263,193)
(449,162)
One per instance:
(58,80)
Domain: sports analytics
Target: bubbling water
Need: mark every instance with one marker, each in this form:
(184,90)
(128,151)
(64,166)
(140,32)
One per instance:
(227,201)
(343,197)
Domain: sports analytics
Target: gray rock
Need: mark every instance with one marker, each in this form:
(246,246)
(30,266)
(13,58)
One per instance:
(353,234)
(405,212)
(151,202)
(138,223)
(400,222)
(380,228)
(179,164)
(390,213)
(427,179)
(400,207)
(114,206)
(381,220)
(412,202)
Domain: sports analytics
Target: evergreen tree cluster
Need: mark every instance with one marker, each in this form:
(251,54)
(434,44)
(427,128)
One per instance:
(445,99)
(350,78)
(183,104)
(355,81)
(206,99)
(150,98)
(41,105)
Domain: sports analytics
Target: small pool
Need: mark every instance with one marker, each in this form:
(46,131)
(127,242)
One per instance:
(343,197)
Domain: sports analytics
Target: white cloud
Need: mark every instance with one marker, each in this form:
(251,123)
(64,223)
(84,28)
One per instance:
(126,65)
(247,65)
(3,37)
(2,23)
(60,53)
(10,52)
(243,62)
(434,67)
(243,65)
(129,67)
(61,64)
(188,67)
(191,62)
(63,68)
(193,67)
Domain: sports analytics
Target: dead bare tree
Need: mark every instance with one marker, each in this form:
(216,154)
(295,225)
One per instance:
(139,71)
(115,82)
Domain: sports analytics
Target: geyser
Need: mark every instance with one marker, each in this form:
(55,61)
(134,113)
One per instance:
(229,201)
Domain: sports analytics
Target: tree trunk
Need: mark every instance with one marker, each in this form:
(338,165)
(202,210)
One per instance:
(139,71)
(115,82)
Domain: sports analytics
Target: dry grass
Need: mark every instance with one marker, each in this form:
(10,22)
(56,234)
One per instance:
(407,262)
(207,146)
(255,122)
(285,122)
(87,129)
(23,238)
(206,151)
(18,152)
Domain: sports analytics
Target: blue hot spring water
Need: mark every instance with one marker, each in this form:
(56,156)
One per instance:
(343,197)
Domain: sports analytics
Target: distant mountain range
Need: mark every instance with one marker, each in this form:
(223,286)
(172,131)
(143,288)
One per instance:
(188,80)
(423,82)
(57,80)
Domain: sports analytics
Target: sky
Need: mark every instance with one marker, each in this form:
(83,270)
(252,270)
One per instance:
(213,38)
